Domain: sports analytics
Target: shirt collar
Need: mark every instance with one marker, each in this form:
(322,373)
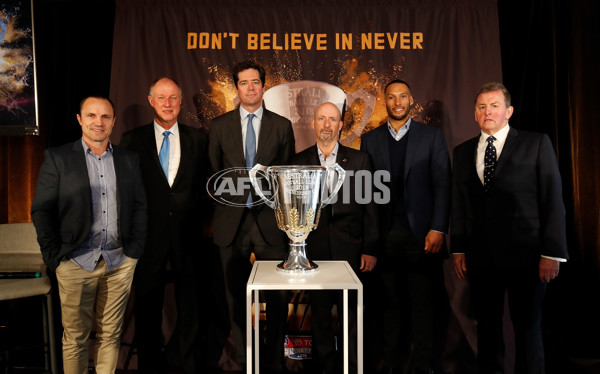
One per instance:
(173,130)
(500,136)
(401,132)
(258,112)
(87,149)
(333,153)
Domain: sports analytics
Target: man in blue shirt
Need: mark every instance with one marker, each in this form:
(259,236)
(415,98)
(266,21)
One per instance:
(89,212)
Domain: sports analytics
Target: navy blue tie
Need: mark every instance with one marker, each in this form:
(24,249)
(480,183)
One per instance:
(250,150)
(489,162)
(163,155)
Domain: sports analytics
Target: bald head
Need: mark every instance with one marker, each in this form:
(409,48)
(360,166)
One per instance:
(165,98)
(327,123)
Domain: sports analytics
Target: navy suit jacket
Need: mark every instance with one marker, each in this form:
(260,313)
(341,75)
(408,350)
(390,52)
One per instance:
(426,177)
(521,216)
(352,228)
(276,145)
(62,207)
(174,212)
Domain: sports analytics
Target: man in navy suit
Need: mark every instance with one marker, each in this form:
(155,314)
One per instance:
(239,139)
(173,160)
(89,212)
(508,229)
(347,230)
(412,228)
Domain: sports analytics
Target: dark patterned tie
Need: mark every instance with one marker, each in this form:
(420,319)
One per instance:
(489,162)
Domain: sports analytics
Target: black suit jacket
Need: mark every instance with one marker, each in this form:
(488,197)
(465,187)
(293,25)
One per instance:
(62,207)
(350,229)
(174,212)
(426,177)
(225,150)
(521,216)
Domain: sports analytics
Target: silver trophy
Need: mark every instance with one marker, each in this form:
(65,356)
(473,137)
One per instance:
(298,193)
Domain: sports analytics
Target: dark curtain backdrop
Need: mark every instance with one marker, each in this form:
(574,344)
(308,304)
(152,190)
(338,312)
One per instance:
(550,61)
(153,38)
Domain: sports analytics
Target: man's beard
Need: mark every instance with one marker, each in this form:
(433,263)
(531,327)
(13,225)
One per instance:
(399,118)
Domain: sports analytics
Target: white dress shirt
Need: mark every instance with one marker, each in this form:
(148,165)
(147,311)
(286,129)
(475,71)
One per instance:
(256,122)
(481,146)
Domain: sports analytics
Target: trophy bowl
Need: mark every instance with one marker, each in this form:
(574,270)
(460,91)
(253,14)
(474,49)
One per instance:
(298,194)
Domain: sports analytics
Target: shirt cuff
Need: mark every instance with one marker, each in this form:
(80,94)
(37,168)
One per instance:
(556,258)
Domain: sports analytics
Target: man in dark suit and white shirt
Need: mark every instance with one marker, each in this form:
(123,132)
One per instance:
(241,138)
(173,160)
(347,230)
(412,228)
(89,212)
(508,229)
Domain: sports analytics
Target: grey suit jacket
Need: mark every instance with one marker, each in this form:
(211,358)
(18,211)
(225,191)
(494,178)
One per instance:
(62,207)
(276,145)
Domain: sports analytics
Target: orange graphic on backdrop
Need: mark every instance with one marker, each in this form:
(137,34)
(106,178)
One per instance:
(286,67)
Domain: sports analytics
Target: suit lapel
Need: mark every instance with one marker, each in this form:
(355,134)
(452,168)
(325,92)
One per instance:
(342,160)
(81,166)
(342,157)
(412,145)
(185,144)
(382,142)
(119,170)
(313,155)
(509,146)
(150,144)
(266,131)
(472,149)
(234,130)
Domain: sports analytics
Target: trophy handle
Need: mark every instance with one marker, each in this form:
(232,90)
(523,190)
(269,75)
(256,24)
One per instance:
(254,181)
(341,175)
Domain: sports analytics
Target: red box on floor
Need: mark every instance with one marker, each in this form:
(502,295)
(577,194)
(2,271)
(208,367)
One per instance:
(298,347)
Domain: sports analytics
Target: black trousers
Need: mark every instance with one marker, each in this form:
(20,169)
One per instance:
(235,261)
(410,280)
(149,281)
(326,358)
(525,295)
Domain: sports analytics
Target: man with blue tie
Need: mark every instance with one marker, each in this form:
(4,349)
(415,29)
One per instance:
(173,161)
(242,138)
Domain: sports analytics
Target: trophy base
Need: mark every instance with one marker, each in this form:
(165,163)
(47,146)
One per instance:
(311,267)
